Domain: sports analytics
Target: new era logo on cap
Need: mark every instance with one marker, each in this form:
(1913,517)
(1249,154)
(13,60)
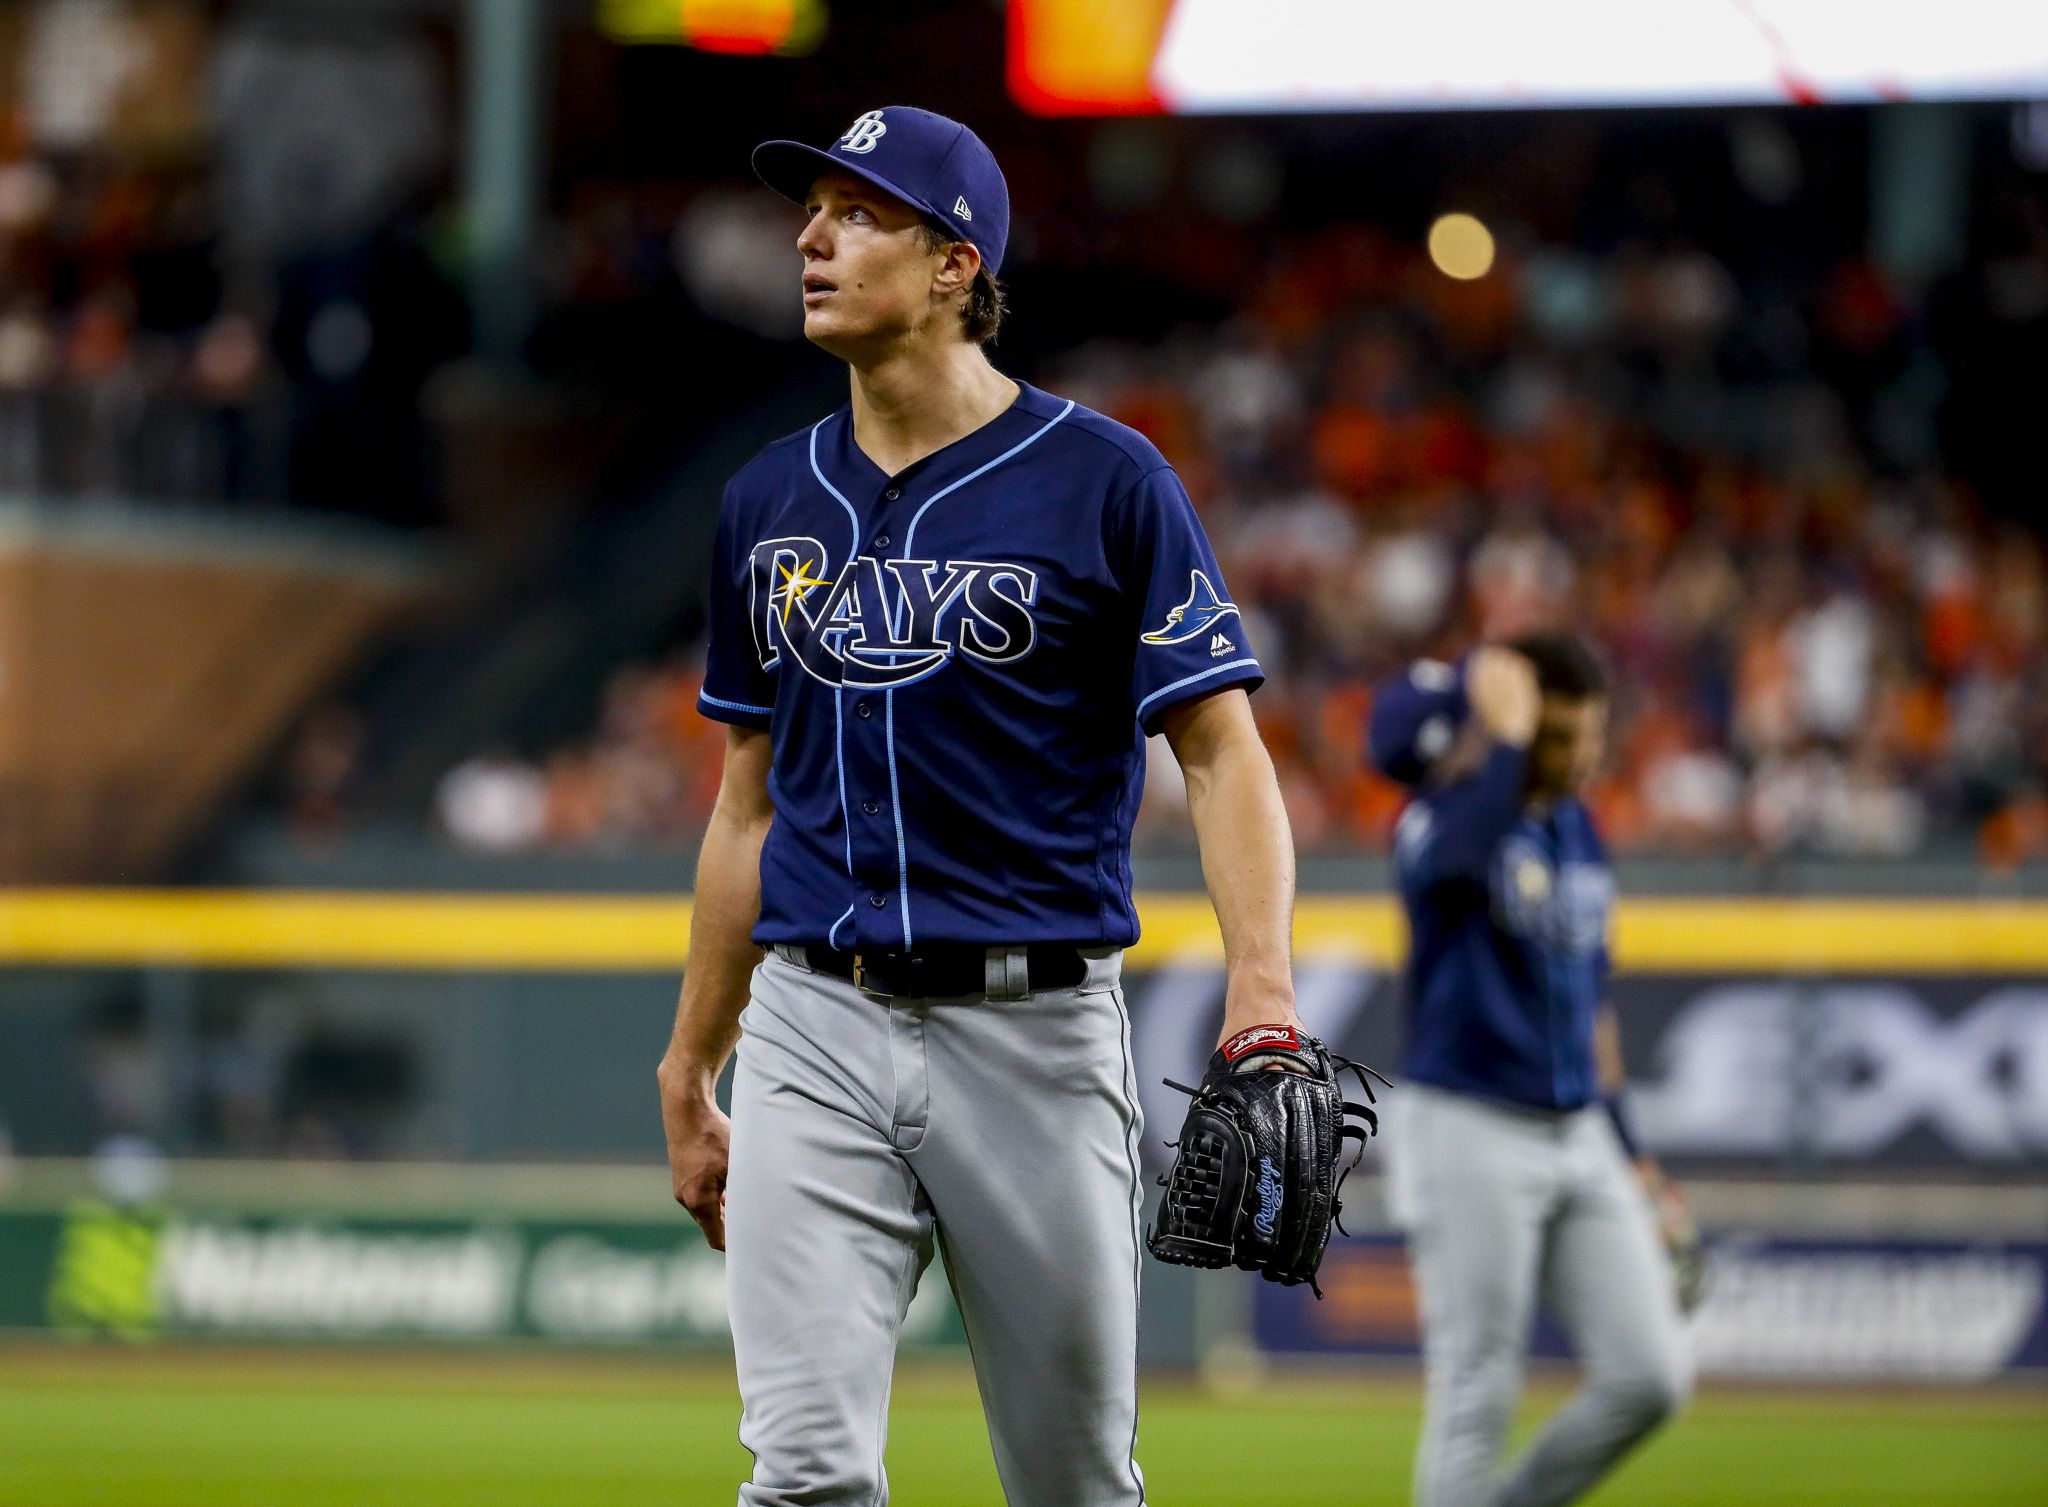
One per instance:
(960,208)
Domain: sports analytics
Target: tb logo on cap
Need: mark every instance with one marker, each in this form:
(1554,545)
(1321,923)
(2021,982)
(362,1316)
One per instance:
(862,135)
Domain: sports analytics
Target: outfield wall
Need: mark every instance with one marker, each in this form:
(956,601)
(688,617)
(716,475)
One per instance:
(1795,1059)
(1796,1037)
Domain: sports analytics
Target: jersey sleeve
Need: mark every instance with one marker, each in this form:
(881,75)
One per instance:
(1191,637)
(1453,833)
(736,688)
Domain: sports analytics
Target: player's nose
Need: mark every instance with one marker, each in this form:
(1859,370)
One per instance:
(815,240)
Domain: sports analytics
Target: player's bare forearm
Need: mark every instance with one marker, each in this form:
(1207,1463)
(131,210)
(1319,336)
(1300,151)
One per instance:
(728,902)
(722,956)
(1607,1051)
(1675,1225)
(1613,1079)
(1247,852)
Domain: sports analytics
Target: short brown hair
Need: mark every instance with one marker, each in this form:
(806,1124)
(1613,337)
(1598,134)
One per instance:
(982,316)
(1566,665)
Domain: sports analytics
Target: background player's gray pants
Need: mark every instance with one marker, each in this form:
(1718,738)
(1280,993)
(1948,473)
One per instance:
(861,1127)
(1501,1206)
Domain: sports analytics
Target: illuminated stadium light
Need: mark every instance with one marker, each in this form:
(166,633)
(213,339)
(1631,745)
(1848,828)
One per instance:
(1082,57)
(1461,246)
(739,26)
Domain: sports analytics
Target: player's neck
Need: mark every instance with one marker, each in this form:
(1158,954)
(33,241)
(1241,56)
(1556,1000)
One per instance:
(921,397)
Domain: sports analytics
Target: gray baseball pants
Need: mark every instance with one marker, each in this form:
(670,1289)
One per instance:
(864,1128)
(1503,1206)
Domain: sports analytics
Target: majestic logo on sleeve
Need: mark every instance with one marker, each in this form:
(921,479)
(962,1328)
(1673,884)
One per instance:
(1196,616)
(884,623)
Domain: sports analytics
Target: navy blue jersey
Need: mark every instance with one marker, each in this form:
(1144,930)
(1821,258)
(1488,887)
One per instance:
(1507,914)
(958,665)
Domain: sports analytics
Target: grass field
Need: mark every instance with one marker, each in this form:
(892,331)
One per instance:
(156,1428)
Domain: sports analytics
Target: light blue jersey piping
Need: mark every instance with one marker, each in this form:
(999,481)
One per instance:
(838,714)
(889,697)
(1166,690)
(735,706)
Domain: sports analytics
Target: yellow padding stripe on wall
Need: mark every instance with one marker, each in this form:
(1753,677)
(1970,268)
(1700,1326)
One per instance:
(344,930)
(513,933)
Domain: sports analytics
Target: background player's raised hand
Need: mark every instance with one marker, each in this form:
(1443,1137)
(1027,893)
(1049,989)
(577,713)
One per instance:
(1501,685)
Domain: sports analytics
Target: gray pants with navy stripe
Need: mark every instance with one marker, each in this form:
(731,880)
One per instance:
(863,1129)
(1503,1206)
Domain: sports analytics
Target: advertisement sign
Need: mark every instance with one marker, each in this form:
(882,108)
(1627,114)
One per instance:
(1775,1309)
(98,1269)
(1906,1072)
(1940,1072)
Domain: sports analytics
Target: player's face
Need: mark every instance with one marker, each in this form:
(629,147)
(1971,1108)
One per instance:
(868,278)
(1571,738)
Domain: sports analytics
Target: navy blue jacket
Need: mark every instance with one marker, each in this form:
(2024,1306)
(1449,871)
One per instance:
(1508,915)
(958,666)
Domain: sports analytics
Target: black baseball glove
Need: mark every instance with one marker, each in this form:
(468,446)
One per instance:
(1255,1181)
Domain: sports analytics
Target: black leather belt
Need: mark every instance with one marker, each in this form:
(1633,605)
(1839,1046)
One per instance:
(945,969)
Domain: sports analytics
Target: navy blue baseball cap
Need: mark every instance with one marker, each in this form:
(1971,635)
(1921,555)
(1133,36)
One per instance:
(1415,718)
(929,162)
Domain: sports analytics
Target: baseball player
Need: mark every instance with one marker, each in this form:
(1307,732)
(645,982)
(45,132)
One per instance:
(943,620)
(1510,1169)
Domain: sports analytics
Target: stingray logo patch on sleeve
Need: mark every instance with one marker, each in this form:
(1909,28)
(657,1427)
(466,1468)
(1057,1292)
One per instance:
(1200,613)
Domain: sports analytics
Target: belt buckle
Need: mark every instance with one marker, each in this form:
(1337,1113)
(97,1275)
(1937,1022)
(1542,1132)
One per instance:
(860,978)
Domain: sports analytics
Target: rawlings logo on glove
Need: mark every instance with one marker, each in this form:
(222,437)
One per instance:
(1269,1198)
(1257,1036)
(1255,1180)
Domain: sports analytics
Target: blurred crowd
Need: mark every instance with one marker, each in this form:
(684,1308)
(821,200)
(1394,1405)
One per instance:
(215,282)
(647,773)
(1814,651)
(120,373)
(230,265)
(1817,650)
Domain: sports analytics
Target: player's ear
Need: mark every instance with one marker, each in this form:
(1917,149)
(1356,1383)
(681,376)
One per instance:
(956,273)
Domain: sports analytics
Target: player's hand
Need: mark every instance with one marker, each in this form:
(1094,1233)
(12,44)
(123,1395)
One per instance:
(1501,686)
(1681,1236)
(699,1139)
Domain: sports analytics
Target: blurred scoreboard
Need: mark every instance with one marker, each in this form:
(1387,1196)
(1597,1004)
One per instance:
(747,27)
(1080,57)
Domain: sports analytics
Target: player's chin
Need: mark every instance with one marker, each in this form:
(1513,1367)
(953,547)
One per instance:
(831,328)
(848,328)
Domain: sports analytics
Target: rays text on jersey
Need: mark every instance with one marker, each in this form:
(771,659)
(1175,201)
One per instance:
(882,623)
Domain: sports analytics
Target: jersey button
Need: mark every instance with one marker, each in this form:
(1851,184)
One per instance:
(877,901)
(881,541)
(862,709)
(892,494)
(871,806)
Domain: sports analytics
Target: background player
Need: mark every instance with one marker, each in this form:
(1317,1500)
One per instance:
(943,620)
(1509,1162)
